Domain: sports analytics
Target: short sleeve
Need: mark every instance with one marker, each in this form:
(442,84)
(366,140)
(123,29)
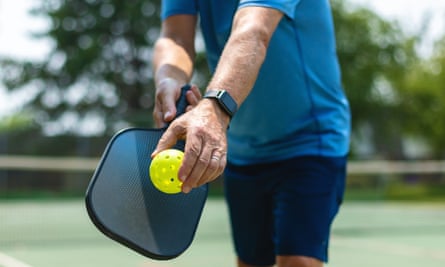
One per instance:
(178,7)
(285,6)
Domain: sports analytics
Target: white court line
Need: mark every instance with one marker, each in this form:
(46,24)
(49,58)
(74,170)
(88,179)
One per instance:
(7,261)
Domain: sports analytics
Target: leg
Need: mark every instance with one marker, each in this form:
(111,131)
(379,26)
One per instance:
(250,210)
(243,264)
(282,212)
(289,261)
(307,199)
(298,261)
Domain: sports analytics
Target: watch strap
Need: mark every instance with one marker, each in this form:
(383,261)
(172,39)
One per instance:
(224,100)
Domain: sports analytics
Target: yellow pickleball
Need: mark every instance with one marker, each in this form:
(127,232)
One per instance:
(164,171)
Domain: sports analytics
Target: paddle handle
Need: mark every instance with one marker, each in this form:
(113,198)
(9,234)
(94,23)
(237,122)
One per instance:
(182,103)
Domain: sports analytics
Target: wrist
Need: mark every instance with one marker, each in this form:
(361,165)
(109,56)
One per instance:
(167,82)
(215,108)
(223,100)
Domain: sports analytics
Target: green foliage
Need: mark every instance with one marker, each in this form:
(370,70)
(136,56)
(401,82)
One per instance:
(100,66)
(100,63)
(373,53)
(395,187)
(422,92)
(16,122)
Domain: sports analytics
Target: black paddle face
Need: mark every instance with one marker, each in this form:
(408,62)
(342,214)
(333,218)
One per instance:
(124,204)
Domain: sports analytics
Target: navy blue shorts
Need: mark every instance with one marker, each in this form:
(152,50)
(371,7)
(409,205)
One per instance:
(284,208)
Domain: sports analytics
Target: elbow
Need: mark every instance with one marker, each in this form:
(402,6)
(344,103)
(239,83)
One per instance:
(253,33)
(253,41)
(171,44)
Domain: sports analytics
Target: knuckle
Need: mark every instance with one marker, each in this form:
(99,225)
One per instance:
(201,132)
(195,149)
(204,161)
(213,166)
(192,183)
(177,128)
(222,164)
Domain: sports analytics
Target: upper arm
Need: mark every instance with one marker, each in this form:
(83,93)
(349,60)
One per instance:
(287,7)
(180,29)
(257,20)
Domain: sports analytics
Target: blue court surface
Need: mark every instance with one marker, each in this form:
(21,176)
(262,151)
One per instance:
(59,233)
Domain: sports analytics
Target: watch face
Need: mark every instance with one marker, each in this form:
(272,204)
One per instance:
(229,103)
(225,101)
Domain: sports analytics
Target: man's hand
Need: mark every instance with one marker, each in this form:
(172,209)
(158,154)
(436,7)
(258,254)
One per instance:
(204,129)
(167,93)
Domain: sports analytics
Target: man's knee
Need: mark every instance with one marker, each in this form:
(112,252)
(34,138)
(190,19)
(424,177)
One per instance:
(298,261)
(243,264)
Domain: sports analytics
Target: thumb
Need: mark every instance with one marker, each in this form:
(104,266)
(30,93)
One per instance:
(168,139)
(168,107)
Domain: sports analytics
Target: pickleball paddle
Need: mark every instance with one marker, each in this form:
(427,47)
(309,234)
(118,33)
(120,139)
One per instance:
(124,204)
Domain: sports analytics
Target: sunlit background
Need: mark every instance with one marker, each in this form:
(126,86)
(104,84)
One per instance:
(17,26)
(56,122)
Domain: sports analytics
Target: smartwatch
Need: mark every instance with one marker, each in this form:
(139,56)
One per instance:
(224,100)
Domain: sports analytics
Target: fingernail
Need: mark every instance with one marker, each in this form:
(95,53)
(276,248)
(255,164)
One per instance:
(167,115)
(182,178)
(186,189)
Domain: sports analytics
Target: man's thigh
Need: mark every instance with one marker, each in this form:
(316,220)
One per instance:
(284,208)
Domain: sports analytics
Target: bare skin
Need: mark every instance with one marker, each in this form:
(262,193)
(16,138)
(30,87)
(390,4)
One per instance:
(204,125)
(289,261)
(174,53)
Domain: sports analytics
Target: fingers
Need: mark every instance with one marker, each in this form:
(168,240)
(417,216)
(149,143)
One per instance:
(191,158)
(193,96)
(205,170)
(168,105)
(158,116)
(206,142)
(166,97)
(165,110)
(167,93)
(202,163)
(170,137)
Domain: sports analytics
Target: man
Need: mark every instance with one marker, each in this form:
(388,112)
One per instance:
(276,83)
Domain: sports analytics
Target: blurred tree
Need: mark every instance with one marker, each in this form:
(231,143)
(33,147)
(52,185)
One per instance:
(16,122)
(99,67)
(422,93)
(98,77)
(373,54)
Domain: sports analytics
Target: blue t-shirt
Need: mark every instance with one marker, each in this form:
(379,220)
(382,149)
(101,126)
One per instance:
(297,106)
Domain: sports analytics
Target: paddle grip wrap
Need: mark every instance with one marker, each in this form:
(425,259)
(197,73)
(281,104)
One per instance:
(182,103)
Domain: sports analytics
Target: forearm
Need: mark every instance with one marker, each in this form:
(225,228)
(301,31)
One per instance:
(238,67)
(172,61)
(245,51)
(174,51)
